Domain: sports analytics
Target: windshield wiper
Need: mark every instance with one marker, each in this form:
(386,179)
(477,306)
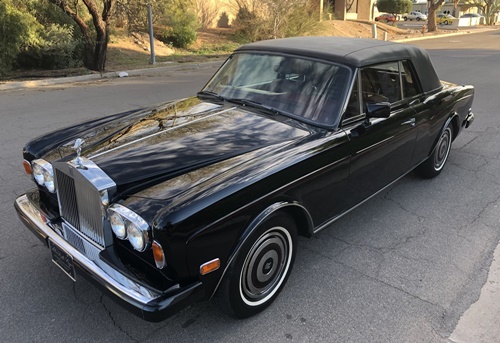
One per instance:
(255,104)
(210,95)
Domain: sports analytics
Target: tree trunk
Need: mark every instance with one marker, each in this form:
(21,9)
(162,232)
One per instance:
(101,47)
(431,16)
(88,56)
(431,20)
(94,57)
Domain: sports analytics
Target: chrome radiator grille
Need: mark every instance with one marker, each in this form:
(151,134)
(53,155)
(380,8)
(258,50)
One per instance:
(79,194)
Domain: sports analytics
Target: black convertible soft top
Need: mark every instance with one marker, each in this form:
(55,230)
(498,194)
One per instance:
(353,52)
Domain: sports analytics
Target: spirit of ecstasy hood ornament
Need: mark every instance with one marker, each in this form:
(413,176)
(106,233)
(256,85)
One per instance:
(78,147)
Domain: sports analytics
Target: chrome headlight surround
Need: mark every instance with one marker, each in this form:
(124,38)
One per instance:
(43,174)
(128,225)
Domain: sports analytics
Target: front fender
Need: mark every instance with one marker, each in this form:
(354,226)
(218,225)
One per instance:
(300,213)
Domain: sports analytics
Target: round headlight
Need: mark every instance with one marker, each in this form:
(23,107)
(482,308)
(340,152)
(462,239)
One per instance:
(44,174)
(49,181)
(136,237)
(127,224)
(38,174)
(118,226)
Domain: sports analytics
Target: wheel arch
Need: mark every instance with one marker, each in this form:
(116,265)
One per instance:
(296,211)
(452,120)
(455,122)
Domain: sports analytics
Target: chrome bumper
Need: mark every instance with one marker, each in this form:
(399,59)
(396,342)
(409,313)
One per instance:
(150,304)
(469,119)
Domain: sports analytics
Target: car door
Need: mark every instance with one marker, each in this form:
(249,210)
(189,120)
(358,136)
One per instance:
(428,127)
(382,148)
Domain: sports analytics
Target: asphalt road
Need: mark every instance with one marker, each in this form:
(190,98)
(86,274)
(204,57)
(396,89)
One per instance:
(403,267)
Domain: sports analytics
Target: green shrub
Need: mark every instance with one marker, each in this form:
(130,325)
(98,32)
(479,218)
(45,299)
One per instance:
(178,36)
(394,6)
(18,31)
(57,49)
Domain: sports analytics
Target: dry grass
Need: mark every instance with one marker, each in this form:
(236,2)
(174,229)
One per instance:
(130,50)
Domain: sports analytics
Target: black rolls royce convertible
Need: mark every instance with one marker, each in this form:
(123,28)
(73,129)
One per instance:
(204,197)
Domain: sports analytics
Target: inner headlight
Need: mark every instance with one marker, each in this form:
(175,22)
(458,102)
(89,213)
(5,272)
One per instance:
(117,225)
(43,174)
(127,224)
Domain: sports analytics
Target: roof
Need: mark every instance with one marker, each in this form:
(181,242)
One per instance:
(354,52)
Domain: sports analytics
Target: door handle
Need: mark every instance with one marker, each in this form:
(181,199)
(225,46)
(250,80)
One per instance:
(409,122)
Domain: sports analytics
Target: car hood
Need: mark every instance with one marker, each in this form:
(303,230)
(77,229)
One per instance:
(154,145)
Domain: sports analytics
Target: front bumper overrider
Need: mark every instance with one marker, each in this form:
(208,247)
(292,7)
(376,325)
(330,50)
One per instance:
(142,300)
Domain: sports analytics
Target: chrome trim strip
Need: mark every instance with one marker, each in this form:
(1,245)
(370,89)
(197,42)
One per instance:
(159,133)
(373,145)
(322,226)
(112,279)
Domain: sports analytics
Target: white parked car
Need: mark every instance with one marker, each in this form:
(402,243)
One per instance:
(415,15)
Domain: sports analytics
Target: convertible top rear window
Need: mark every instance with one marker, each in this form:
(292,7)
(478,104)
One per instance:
(304,88)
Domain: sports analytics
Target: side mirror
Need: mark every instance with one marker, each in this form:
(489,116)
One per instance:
(379,109)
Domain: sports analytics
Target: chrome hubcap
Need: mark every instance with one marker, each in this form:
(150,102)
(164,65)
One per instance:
(265,266)
(442,149)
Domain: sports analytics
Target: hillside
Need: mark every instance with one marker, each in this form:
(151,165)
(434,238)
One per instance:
(128,51)
(132,50)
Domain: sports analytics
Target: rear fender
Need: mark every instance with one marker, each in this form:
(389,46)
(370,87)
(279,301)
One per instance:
(453,120)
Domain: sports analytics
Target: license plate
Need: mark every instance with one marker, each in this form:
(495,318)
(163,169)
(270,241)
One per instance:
(63,260)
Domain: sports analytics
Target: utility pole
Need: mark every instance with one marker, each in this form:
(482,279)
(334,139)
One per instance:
(151,37)
(320,10)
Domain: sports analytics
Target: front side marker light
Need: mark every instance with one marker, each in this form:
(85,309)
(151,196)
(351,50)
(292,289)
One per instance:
(27,168)
(210,266)
(158,255)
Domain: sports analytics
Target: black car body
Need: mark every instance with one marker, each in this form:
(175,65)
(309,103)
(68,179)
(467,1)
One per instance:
(169,205)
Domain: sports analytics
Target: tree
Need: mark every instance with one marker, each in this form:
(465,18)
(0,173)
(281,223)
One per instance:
(207,12)
(489,8)
(264,19)
(455,7)
(18,31)
(431,16)
(95,43)
(394,7)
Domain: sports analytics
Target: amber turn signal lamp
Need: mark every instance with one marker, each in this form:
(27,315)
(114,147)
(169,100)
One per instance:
(210,266)
(27,167)
(158,255)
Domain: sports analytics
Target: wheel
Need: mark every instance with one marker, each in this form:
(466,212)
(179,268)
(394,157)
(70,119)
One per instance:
(446,22)
(261,268)
(418,18)
(405,18)
(436,161)
(387,21)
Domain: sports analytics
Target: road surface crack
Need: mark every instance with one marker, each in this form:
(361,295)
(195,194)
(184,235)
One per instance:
(115,324)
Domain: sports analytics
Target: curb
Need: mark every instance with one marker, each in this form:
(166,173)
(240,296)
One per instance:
(444,35)
(109,75)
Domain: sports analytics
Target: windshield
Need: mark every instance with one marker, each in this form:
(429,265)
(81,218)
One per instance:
(305,88)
